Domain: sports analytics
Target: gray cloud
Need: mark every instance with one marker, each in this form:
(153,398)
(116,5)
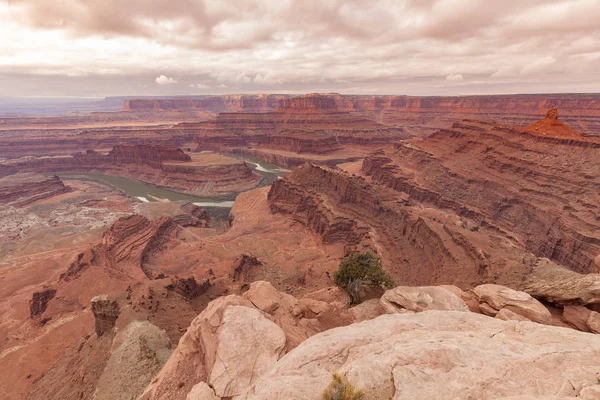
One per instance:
(410,46)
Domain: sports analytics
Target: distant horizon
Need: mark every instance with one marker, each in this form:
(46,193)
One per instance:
(126,97)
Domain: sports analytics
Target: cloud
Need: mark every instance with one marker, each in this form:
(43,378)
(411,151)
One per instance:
(303,45)
(454,77)
(199,86)
(165,80)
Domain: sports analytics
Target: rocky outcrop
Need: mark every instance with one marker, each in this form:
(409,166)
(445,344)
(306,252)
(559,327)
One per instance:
(39,302)
(139,352)
(20,190)
(192,215)
(188,288)
(238,338)
(495,298)
(441,355)
(245,268)
(130,241)
(404,299)
(559,285)
(80,264)
(106,312)
(552,127)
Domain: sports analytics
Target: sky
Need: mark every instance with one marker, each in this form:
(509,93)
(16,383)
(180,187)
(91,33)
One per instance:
(97,48)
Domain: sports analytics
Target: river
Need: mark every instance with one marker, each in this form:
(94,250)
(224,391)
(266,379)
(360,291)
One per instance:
(148,193)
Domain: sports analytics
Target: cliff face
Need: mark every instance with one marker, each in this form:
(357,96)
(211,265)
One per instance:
(157,165)
(537,191)
(130,241)
(301,142)
(314,101)
(260,102)
(419,246)
(23,189)
(146,154)
(570,104)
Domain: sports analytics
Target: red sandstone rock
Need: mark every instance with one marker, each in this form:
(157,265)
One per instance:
(157,165)
(498,179)
(39,302)
(106,313)
(552,127)
(23,189)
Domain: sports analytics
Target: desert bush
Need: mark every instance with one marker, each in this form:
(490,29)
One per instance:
(341,389)
(361,269)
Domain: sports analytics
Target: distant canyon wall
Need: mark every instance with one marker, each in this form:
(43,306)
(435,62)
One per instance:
(569,104)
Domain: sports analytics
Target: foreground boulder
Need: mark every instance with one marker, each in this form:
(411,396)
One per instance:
(140,350)
(560,285)
(236,339)
(494,298)
(416,299)
(439,355)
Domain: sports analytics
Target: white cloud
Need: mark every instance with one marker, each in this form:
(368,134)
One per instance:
(165,80)
(222,85)
(199,86)
(454,77)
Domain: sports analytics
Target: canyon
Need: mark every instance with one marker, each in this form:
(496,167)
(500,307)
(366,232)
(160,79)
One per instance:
(482,209)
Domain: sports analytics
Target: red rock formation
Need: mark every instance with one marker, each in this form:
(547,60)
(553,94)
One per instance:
(313,101)
(535,191)
(419,246)
(552,127)
(130,241)
(260,102)
(23,189)
(157,165)
(510,104)
(106,313)
(188,288)
(192,216)
(154,156)
(244,268)
(39,302)
(301,142)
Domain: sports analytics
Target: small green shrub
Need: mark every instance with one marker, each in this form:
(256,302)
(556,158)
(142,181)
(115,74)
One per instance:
(361,269)
(341,389)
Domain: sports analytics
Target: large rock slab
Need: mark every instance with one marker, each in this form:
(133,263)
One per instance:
(560,285)
(576,317)
(237,366)
(438,355)
(405,298)
(500,297)
(237,338)
(202,391)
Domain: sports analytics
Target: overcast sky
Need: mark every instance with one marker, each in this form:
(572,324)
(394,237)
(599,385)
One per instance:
(190,47)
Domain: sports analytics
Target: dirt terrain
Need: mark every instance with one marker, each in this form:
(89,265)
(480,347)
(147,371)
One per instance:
(475,204)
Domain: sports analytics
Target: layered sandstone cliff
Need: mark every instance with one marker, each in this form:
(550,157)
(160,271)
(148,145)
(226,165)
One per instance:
(260,102)
(535,190)
(519,104)
(419,245)
(23,189)
(158,165)
(301,142)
